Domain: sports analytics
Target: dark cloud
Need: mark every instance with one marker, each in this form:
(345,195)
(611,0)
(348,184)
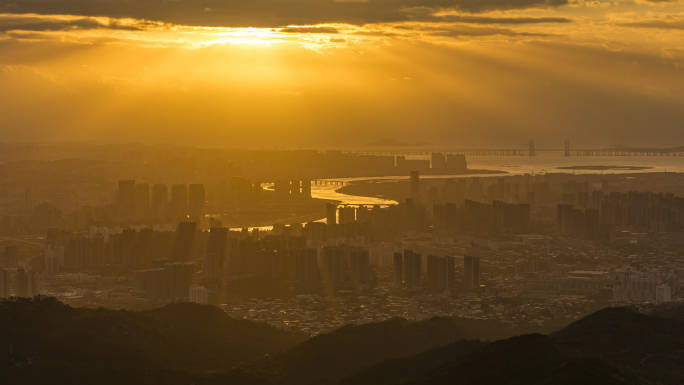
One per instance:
(267,13)
(39,24)
(309,30)
(376,33)
(469,31)
(499,20)
(660,24)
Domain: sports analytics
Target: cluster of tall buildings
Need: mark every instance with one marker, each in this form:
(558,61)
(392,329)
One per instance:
(165,281)
(614,284)
(20,282)
(448,163)
(14,279)
(126,249)
(292,191)
(482,218)
(134,201)
(644,286)
(345,264)
(337,163)
(139,203)
(284,255)
(597,214)
(382,223)
(440,271)
(519,189)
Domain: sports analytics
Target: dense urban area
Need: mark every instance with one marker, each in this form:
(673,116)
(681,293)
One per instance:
(132,230)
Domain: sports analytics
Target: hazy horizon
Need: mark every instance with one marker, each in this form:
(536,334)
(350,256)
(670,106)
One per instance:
(343,73)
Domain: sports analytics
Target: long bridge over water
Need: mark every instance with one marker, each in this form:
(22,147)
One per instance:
(530,151)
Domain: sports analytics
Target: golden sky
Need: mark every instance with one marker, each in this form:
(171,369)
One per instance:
(463,73)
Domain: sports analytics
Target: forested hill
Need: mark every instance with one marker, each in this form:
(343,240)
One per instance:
(611,346)
(53,341)
(43,341)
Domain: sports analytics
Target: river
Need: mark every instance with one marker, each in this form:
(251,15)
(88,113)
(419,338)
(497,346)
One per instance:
(544,162)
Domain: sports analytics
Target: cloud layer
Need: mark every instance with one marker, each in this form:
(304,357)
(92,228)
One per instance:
(47,24)
(268,13)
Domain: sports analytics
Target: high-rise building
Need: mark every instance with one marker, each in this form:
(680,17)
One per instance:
(417,270)
(197,200)
(142,200)
(432,270)
(440,271)
(54,258)
(126,196)
(11,257)
(471,272)
(450,271)
(663,293)
(281,188)
(358,265)
(77,253)
(267,264)
(180,276)
(347,214)
(333,264)
(218,243)
(27,284)
(306,188)
(179,201)
(438,162)
(160,200)
(5,283)
(295,188)
(211,267)
(415,186)
(412,269)
(185,241)
(456,163)
(199,294)
(302,265)
(397,259)
(153,284)
(129,249)
(331,213)
(408,268)
(363,214)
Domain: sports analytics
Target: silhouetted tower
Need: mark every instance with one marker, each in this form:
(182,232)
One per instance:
(415,186)
(306,188)
(331,213)
(471,272)
(532,153)
(185,241)
(179,200)
(567,147)
(126,196)
(397,265)
(295,188)
(196,200)
(160,198)
(142,200)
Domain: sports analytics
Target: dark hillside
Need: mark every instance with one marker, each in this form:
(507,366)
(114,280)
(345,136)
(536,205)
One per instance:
(49,337)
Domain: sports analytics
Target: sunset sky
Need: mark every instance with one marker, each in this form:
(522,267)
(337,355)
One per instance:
(331,73)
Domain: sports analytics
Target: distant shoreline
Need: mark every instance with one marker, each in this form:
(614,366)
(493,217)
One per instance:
(602,168)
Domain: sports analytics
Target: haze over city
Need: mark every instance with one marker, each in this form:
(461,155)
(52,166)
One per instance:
(341,192)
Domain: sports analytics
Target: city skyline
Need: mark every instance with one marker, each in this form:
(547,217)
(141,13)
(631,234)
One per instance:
(341,192)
